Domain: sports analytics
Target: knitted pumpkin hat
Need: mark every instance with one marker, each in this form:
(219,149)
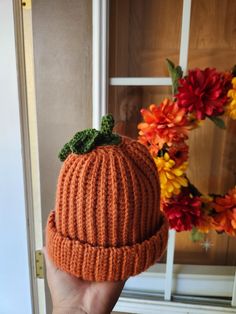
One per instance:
(107,224)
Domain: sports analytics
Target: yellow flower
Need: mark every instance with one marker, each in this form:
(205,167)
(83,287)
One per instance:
(171,177)
(231,108)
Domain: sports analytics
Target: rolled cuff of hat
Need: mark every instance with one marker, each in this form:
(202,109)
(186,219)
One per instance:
(97,263)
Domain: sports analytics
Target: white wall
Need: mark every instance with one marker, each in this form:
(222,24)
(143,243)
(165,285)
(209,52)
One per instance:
(14,268)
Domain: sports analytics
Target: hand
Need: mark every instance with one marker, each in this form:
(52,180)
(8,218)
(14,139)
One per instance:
(72,295)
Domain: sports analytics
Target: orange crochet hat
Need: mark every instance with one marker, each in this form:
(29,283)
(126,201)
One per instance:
(107,224)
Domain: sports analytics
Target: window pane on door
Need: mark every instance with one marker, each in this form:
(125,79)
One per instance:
(143,33)
(212,165)
(212,34)
(138,47)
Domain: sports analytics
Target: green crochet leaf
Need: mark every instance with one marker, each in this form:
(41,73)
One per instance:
(107,125)
(84,141)
(65,151)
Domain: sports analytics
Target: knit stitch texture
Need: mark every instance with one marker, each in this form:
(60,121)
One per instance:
(107,224)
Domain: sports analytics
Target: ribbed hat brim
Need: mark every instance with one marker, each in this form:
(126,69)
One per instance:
(104,263)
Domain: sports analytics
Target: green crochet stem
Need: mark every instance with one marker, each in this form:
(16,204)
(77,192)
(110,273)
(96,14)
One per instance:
(84,141)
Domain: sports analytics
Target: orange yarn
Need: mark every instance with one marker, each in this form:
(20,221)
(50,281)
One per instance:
(107,224)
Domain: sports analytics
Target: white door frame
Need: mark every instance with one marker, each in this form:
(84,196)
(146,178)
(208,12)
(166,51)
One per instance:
(31,165)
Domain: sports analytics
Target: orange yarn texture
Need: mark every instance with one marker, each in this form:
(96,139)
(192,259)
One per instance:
(107,224)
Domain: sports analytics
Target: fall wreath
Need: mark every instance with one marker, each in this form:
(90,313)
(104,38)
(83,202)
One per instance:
(199,95)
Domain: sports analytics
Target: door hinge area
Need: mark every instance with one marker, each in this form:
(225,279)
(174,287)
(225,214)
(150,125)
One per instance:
(26,4)
(39,264)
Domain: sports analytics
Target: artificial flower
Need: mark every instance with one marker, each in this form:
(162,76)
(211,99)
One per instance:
(164,130)
(203,92)
(231,108)
(164,124)
(226,222)
(149,138)
(227,81)
(225,216)
(179,153)
(183,211)
(227,201)
(206,221)
(172,178)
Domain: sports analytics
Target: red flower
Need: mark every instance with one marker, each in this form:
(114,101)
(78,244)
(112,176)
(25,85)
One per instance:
(183,211)
(179,153)
(162,124)
(203,92)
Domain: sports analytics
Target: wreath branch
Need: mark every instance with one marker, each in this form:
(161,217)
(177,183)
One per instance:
(165,129)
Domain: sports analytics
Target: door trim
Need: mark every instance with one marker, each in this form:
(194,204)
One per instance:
(34,233)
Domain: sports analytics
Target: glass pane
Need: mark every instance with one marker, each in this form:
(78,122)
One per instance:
(125,103)
(212,34)
(209,176)
(212,163)
(212,44)
(143,33)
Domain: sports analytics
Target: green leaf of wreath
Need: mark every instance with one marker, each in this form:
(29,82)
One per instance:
(196,235)
(218,122)
(176,73)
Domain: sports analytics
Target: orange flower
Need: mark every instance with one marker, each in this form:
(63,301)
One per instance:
(225,216)
(164,124)
(206,221)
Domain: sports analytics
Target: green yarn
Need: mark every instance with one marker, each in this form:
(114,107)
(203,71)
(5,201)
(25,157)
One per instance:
(107,124)
(84,141)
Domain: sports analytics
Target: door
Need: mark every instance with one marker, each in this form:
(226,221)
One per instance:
(57,40)
(138,45)
(142,35)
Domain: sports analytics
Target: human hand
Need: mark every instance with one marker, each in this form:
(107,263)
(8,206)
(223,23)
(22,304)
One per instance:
(71,295)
